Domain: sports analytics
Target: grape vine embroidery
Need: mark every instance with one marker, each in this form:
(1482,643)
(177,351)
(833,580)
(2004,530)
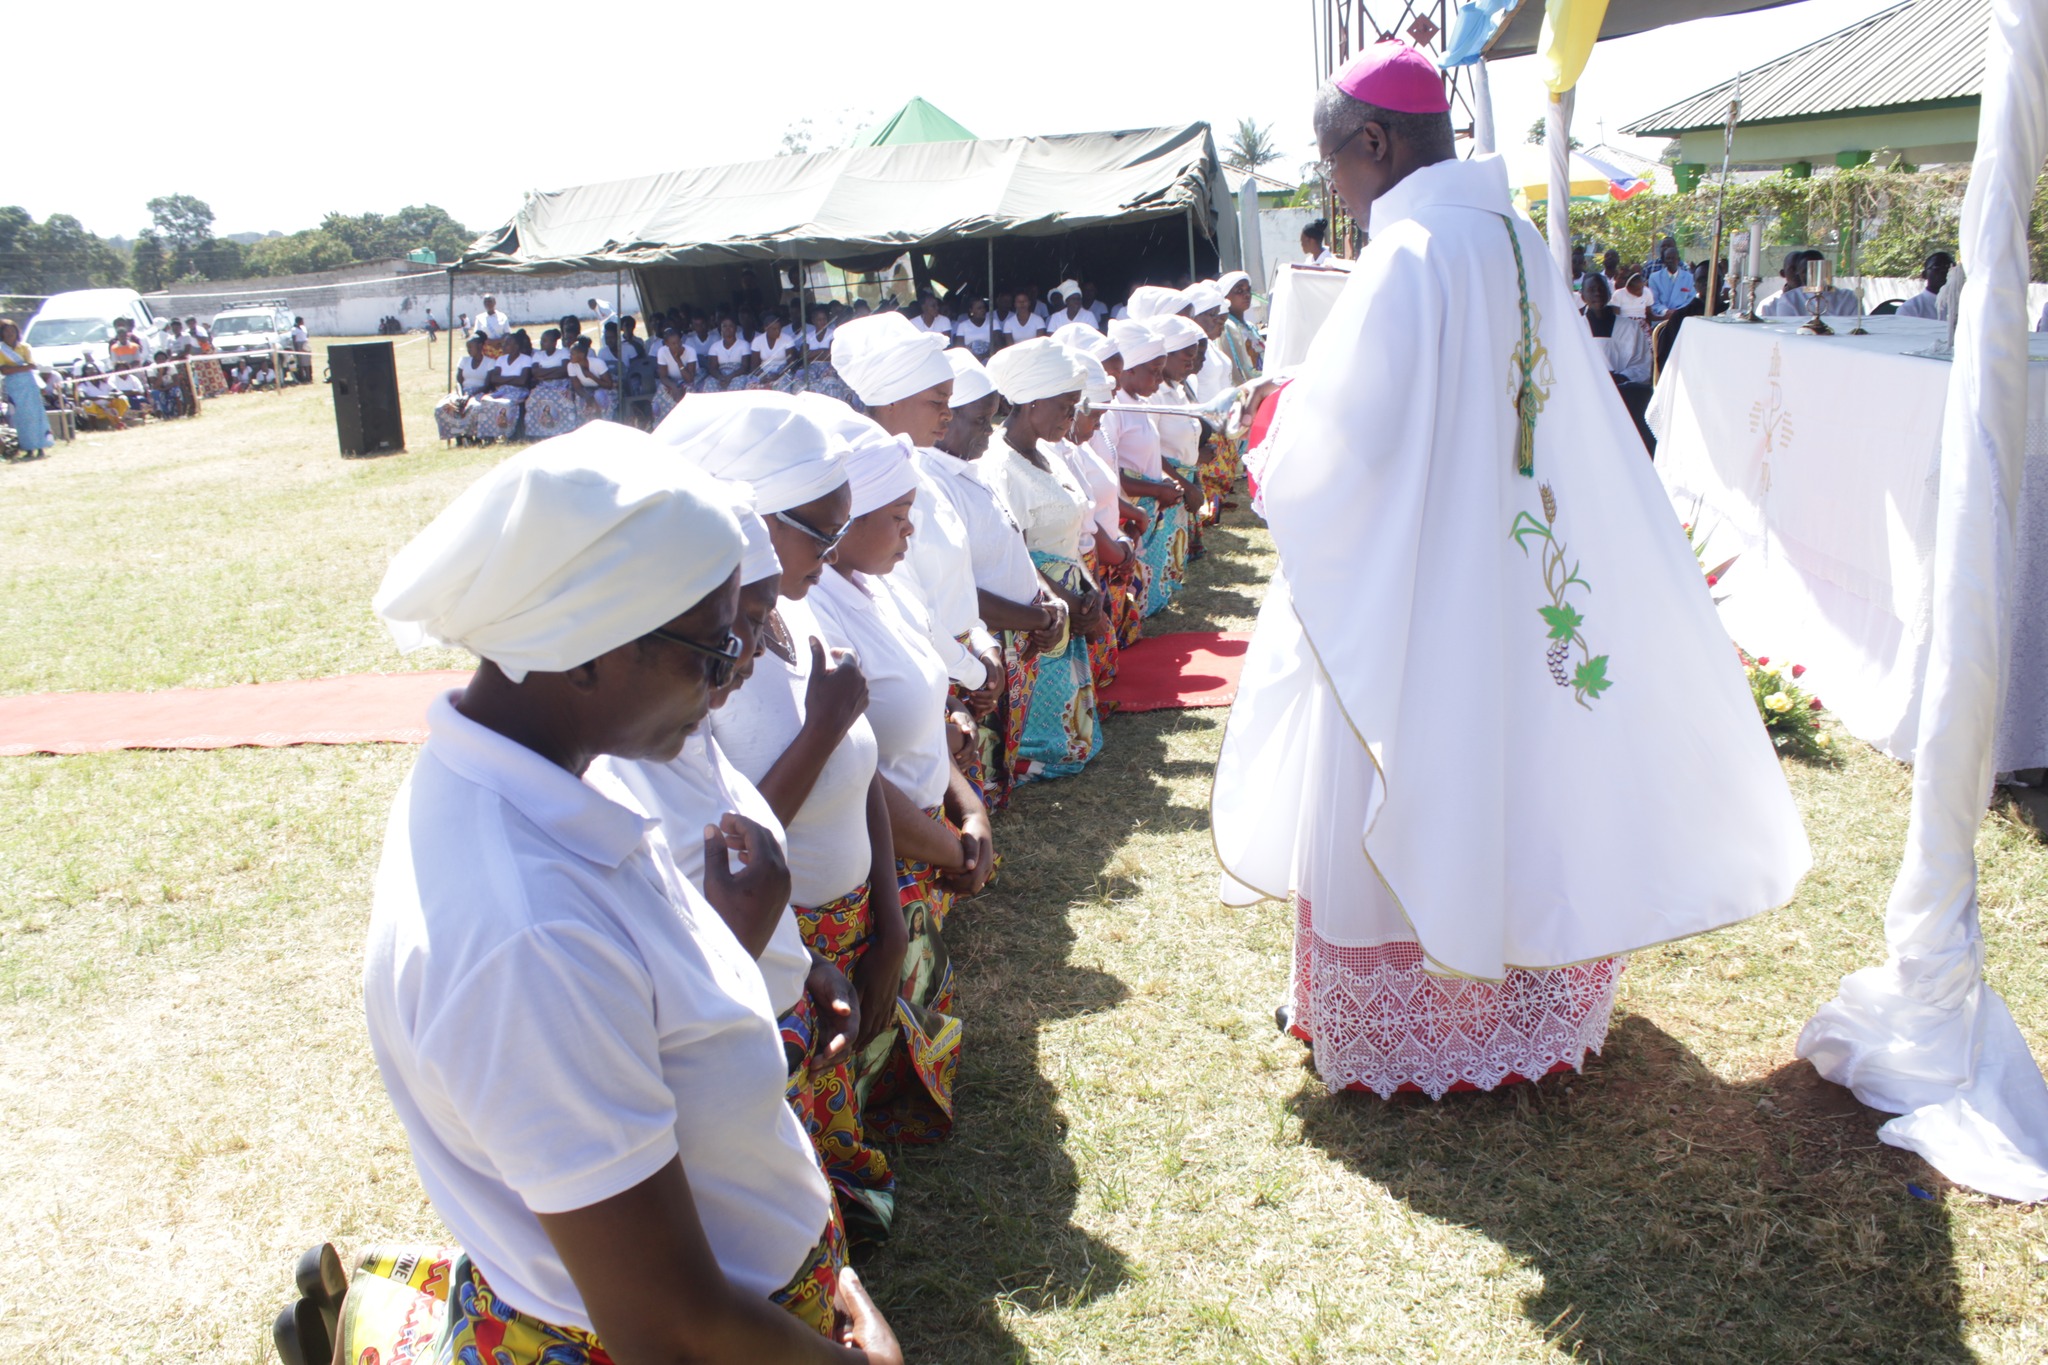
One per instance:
(1588,679)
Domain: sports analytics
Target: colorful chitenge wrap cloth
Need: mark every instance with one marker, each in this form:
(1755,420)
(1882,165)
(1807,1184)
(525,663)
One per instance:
(1221,459)
(1102,652)
(906,1074)
(1006,723)
(1164,553)
(826,1099)
(433,1307)
(1062,730)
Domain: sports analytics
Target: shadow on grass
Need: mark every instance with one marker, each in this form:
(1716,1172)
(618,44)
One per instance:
(1676,1217)
(986,1218)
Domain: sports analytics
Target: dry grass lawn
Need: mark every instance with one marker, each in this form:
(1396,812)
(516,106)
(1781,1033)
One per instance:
(1144,1170)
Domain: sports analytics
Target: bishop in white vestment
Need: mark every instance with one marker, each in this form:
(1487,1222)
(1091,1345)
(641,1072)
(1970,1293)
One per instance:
(1490,735)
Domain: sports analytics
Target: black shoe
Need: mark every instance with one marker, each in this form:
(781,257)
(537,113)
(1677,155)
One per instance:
(301,1335)
(1284,1017)
(322,1282)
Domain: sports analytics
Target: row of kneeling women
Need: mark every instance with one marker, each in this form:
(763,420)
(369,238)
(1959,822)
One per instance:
(656,968)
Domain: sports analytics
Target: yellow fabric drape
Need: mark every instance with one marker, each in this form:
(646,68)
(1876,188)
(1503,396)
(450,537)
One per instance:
(1570,28)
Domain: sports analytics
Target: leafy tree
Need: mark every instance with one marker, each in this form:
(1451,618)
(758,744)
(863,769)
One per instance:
(1540,129)
(299,254)
(72,258)
(182,220)
(1251,147)
(147,261)
(20,272)
(374,237)
(796,139)
(218,258)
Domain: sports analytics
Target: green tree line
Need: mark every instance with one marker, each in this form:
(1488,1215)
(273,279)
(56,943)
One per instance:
(179,246)
(1870,220)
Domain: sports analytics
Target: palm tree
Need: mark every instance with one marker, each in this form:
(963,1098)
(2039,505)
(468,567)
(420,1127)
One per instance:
(1252,147)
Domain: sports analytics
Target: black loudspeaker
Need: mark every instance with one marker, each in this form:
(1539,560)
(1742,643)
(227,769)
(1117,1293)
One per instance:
(365,381)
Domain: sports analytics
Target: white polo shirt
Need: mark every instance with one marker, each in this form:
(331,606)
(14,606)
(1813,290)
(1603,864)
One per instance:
(1002,566)
(557,1013)
(695,789)
(884,623)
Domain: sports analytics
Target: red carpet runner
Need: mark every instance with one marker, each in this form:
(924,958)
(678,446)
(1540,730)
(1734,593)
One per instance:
(1188,670)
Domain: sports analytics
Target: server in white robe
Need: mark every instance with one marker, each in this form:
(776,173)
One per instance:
(1490,735)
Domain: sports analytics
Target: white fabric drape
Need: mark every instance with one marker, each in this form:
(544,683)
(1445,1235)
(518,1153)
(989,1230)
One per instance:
(1923,1036)
(1482,111)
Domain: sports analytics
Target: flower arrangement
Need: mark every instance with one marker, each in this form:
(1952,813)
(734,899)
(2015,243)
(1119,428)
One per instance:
(1792,717)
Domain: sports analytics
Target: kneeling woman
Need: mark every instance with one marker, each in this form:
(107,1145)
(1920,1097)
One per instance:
(938,824)
(799,733)
(583,1055)
(1029,471)
(1134,436)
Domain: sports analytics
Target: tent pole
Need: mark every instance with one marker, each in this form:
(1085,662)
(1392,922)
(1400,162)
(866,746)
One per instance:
(452,329)
(1192,274)
(619,310)
(1557,136)
(991,272)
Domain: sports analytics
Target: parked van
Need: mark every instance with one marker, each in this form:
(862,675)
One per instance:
(253,327)
(70,327)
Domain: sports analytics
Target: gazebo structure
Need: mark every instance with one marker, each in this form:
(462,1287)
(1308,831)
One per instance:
(1908,80)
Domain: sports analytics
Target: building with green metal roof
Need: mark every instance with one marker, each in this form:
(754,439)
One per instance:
(1905,81)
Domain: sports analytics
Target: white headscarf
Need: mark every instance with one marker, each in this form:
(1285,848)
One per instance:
(884,358)
(569,549)
(877,464)
(763,439)
(1204,297)
(971,383)
(758,559)
(1178,333)
(1034,369)
(1230,281)
(1080,337)
(1096,385)
(1150,301)
(1135,341)
(1068,289)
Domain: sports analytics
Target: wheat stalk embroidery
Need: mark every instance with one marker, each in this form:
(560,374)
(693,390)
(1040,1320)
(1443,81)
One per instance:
(1588,679)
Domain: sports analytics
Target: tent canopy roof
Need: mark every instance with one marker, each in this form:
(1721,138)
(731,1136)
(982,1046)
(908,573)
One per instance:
(1518,36)
(917,121)
(860,201)
(1916,54)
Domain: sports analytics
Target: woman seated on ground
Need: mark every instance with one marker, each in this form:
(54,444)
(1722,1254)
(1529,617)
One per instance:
(773,353)
(1180,438)
(497,410)
(595,382)
(938,825)
(1030,472)
(675,372)
(799,732)
(551,404)
(726,360)
(583,1055)
(100,408)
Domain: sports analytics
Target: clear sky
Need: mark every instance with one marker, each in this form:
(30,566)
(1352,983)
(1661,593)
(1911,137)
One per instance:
(387,111)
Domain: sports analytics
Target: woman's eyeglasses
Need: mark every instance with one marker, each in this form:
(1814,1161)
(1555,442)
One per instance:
(719,671)
(826,544)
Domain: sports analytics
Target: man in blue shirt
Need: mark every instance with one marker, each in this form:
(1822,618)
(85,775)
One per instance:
(1671,285)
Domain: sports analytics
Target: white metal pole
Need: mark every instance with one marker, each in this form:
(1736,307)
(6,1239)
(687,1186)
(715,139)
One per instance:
(1557,137)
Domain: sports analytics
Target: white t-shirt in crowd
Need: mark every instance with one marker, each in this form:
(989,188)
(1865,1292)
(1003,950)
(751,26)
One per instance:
(1095,467)
(727,359)
(1101,311)
(700,346)
(1022,329)
(557,1014)
(816,341)
(1180,438)
(906,681)
(829,852)
(694,789)
(774,355)
(672,364)
(1629,305)
(976,336)
(1002,566)
(1925,304)
(940,324)
(514,366)
(586,370)
(493,325)
(1084,317)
